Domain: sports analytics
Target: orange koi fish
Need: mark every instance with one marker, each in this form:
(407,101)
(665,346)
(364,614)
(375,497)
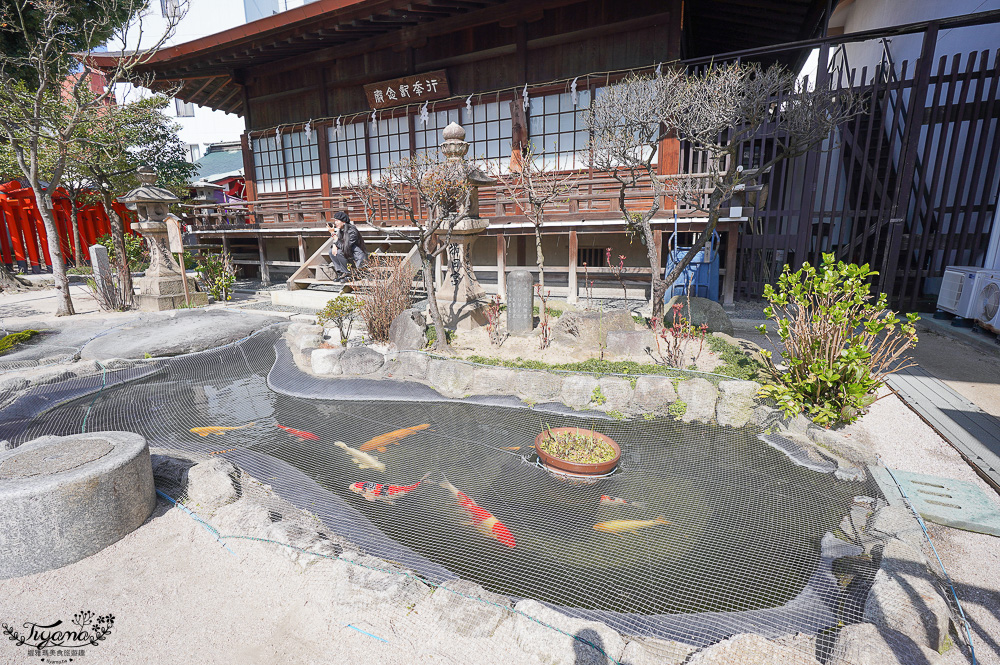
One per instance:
(380,442)
(219,452)
(482,519)
(623,526)
(615,501)
(511,448)
(380,492)
(299,434)
(217,429)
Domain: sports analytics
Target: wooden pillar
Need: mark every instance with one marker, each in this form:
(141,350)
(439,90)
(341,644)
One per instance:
(573,296)
(302,248)
(501,266)
(729,284)
(265,274)
(225,244)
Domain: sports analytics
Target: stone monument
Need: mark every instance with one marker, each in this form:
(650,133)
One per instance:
(162,287)
(461,298)
(520,302)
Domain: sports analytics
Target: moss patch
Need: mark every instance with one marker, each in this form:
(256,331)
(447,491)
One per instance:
(7,342)
(735,363)
(593,366)
(677,409)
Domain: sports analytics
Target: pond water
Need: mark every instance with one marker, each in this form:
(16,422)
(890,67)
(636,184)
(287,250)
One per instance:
(744,529)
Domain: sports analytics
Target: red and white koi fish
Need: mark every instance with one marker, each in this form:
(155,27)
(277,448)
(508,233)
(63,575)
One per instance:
(616,501)
(299,434)
(380,492)
(482,519)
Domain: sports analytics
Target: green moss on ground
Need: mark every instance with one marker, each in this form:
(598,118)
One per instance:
(735,363)
(7,342)
(593,366)
(677,409)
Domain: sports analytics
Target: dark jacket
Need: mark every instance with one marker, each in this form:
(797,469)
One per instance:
(351,245)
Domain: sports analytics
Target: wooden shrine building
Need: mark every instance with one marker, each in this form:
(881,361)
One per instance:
(336,89)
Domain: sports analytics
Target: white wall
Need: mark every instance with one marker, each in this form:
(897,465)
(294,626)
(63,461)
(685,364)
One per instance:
(859,15)
(204,17)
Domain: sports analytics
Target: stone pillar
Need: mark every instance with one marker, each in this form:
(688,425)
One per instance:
(102,268)
(520,302)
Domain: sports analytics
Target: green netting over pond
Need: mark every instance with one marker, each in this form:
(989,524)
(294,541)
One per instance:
(702,531)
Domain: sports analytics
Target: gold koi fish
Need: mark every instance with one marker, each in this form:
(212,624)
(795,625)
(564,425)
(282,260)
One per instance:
(217,429)
(628,526)
(363,460)
(380,442)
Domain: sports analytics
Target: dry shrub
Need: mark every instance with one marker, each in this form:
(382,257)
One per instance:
(383,287)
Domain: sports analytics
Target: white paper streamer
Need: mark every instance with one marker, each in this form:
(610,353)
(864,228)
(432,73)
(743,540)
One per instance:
(468,106)
(308,129)
(524,105)
(572,91)
(277,136)
(374,126)
(659,70)
(423,114)
(337,128)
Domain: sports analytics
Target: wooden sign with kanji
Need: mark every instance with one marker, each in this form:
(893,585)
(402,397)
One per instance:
(407,90)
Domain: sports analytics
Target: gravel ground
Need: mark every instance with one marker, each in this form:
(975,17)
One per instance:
(972,560)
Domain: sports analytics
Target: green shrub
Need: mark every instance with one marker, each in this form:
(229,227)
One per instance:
(597,397)
(341,312)
(840,341)
(432,336)
(217,275)
(136,251)
(7,342)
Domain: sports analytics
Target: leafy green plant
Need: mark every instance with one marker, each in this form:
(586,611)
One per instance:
(217,275)
(597,397)
(840,341)
(450,336)
(677,409)
(136,252)
(617,415)
(341,312)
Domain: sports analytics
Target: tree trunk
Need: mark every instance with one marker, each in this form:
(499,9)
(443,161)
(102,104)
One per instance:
(540,260)
(118,241)
(81,255)
(65,302)
(441,341)
(11,283)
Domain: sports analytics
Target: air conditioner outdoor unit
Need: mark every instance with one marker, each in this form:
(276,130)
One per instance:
(986,305)
(957,294)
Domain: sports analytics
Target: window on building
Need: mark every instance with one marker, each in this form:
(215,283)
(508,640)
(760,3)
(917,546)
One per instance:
(558,132)
(183,109)
(427,137)
(388,141)
(347,153)
(292,164)
(301,160)
(269,172)
(194,152)
(594,257)
(488,130)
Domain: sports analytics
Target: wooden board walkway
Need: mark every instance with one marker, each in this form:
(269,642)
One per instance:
(972,431)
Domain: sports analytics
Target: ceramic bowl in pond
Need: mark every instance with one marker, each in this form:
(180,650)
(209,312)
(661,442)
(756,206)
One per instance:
(578,468)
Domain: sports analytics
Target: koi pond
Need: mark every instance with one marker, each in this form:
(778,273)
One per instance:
(696,518)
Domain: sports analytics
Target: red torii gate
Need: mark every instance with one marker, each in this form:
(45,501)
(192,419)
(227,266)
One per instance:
(23,239)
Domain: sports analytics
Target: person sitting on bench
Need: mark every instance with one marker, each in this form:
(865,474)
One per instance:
(348,245)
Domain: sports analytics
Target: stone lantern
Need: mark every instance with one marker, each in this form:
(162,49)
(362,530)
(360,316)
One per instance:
(162,287)
(461,298)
